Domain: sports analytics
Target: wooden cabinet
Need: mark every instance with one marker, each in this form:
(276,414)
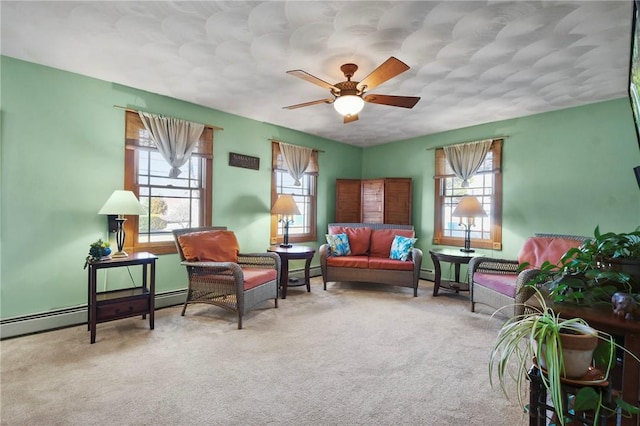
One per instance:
(397,201)
(348,198)
(384,200)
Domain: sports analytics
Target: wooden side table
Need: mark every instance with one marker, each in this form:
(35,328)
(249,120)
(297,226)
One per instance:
(452,256)
(288,253)
(116,304)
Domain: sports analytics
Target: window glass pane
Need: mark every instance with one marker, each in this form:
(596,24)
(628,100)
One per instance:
(480,186)
(171,203)
(302,196)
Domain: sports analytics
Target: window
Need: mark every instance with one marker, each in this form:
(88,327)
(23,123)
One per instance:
(486,185)
(303,227)
(171,203)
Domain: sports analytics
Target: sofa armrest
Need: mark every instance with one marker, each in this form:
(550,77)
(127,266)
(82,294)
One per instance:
(416,256)
(524,292)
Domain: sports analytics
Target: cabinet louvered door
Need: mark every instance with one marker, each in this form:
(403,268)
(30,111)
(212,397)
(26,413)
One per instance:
(397,201)
(348,203)
(373,195)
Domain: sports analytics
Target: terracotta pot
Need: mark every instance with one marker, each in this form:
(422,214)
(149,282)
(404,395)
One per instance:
(577,350)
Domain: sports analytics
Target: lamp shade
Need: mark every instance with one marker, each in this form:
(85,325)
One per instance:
(348,104)
(285,205)
(469,206)
(122,203)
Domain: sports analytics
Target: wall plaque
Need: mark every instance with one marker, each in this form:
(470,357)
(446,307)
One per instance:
(245,161)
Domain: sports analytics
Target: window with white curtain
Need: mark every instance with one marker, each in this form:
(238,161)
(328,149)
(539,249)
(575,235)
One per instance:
(485,185)
(303,227)
(181,202)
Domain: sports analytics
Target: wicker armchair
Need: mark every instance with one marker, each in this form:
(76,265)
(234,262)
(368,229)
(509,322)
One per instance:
(236,286)
(496,283)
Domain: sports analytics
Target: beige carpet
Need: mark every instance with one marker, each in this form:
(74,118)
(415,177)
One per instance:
(353,355)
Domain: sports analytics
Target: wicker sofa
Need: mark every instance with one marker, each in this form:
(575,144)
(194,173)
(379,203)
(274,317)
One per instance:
(370,262)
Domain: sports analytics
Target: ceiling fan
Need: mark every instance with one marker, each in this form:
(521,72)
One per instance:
(349,96)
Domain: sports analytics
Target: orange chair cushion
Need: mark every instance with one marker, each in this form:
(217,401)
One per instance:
(253,277)
(358,238)
(210,246)
(538,249)
(381,240)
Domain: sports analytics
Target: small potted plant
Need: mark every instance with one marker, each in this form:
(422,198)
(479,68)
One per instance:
(594,271)
(99,250)
(544,337)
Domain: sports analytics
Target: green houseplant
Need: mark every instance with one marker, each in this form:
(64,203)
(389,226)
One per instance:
(594,271)
(542,335)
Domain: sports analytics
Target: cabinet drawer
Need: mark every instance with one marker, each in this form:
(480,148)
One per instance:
(106,311)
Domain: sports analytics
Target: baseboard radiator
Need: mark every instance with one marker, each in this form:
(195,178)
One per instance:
(68,317)
(427,274)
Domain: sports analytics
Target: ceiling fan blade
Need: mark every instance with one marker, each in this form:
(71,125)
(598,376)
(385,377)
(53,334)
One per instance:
(350,118)
(312,79)
(319,101)
(389,69)
(399,101)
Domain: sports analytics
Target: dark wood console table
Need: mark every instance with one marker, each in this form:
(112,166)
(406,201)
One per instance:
(116,304)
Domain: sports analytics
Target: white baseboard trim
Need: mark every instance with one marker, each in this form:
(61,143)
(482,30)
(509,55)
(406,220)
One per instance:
(68,317)
(37,323)
(427,274)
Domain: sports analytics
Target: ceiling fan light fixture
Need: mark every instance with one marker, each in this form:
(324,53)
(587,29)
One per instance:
(348,104)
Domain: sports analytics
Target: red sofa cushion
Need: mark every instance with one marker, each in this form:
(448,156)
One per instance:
(359,238)
(538,249)
(361,262)
(503,284)
(381,240)
(390,264)
(212,246)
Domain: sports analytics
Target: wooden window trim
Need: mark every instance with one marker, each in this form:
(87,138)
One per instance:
(293,238)
(495,243)
(130,183)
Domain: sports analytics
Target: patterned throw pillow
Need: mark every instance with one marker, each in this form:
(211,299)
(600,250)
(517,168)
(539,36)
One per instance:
(339,244)
(400,247)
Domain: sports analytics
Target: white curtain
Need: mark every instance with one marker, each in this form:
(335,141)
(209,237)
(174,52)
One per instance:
(466,158)
(296,158)
(174,138)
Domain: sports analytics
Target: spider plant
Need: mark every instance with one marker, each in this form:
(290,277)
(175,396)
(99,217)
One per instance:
(539,334)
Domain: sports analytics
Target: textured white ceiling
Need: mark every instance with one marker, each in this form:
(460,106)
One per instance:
(471,62)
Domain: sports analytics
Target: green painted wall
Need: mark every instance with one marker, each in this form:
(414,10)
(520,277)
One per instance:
(62,156)
(563,172)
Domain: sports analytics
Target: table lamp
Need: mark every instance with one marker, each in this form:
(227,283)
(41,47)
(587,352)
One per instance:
(119,204)
(469,207)
(285,207)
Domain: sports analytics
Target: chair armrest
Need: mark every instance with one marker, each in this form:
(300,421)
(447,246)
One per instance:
(259,260)
(493,266)
(214,268)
